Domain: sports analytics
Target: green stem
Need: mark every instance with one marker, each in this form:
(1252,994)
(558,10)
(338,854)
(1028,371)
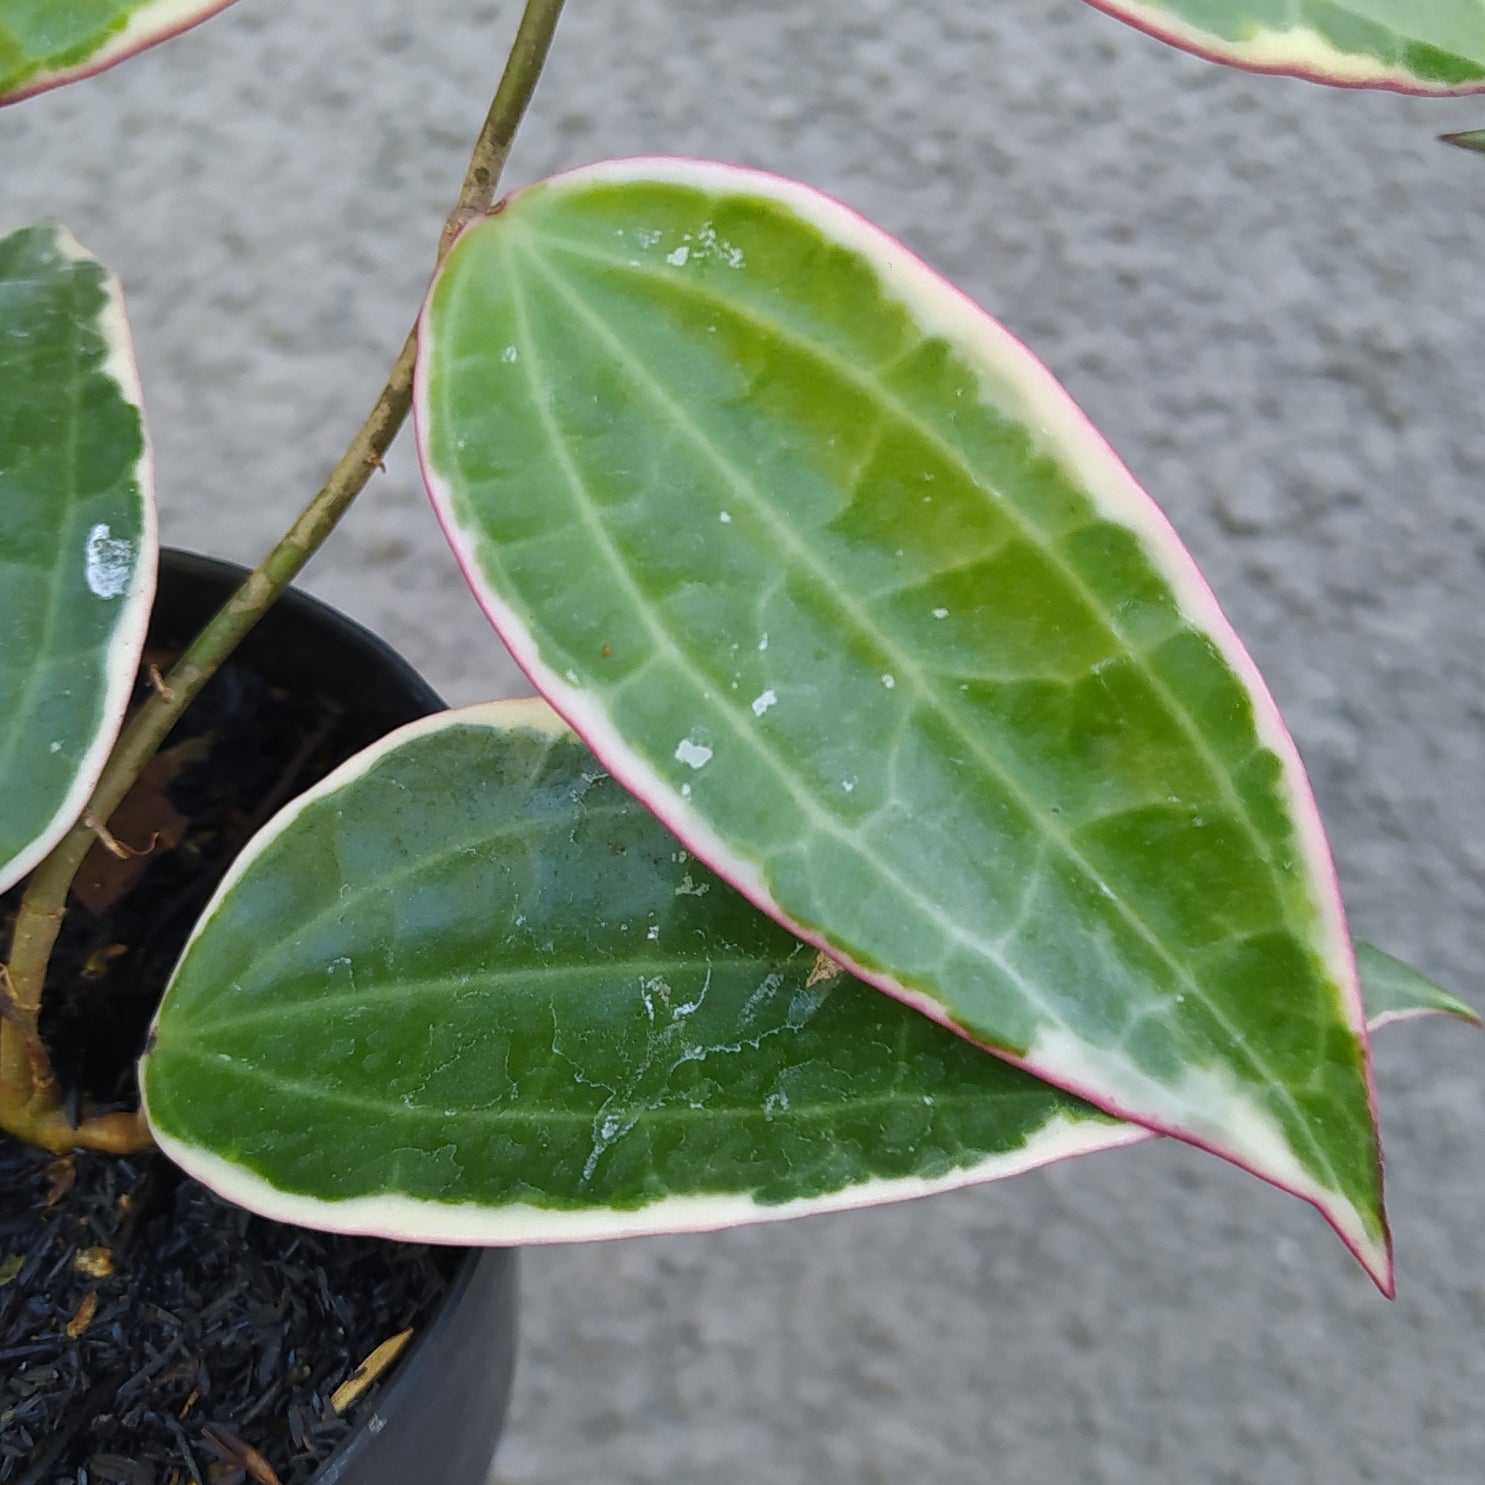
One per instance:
(28,1093)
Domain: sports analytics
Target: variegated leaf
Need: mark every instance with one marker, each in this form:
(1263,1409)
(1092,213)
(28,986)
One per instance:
(827,569)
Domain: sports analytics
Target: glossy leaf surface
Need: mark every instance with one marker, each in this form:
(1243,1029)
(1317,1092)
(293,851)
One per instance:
(77,535)
(1410,46)
(501,1005)
(827,569)
(1395,991)
(44,43)
(470,989)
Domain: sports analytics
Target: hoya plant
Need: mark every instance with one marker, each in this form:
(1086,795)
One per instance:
(901,810)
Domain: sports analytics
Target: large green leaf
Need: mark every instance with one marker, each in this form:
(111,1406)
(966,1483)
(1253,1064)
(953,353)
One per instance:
(44,43)
(77,535)
(1410,46)
(827,569)
(470,989)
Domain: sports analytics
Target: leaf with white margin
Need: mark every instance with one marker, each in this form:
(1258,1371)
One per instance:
(1395,991)
(501,1006)
(828,570)
(44,44)
(469,990)
(1406,46)
(78,543)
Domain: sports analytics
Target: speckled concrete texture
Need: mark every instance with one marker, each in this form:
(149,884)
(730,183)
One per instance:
(1268,296)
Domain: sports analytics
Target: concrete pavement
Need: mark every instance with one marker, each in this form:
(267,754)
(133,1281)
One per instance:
(1268,297)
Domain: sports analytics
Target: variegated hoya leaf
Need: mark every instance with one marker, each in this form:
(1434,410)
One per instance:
(1409,46)
(468,989)
(826,569)
(77,535)
(44,43)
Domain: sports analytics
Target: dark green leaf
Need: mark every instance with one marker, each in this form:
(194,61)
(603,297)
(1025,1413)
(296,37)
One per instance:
(77,535)
(469,989)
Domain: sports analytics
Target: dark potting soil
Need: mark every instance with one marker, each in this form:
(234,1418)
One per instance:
(151,1334)
(148,1331)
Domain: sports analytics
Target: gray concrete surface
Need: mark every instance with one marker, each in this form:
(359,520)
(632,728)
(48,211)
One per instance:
(1268,295)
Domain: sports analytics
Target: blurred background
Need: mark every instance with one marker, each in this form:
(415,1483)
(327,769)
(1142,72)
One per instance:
(1268,297)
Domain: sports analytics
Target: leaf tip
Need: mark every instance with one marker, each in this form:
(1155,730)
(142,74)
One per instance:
(1466,139)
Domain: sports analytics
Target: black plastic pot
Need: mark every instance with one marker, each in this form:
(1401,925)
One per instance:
(440,1416)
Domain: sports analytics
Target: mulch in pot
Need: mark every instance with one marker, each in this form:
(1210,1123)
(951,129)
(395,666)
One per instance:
(151,1334)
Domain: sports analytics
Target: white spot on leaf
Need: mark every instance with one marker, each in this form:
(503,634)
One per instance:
(762,703)
(693,754)
(889,680)
(677,259)
(108,562)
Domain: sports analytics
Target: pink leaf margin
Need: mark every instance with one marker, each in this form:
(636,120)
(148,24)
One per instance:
(148,26)
(1211,49)
(951,312)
